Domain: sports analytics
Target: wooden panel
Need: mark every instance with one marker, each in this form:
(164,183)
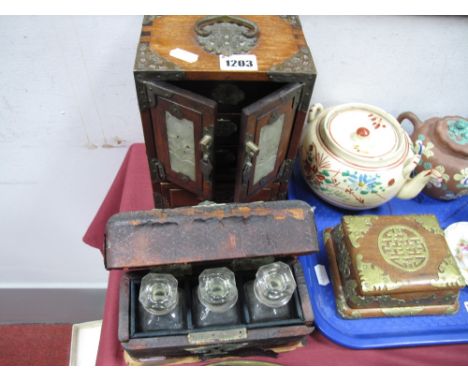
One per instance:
(267,193)
(177,197)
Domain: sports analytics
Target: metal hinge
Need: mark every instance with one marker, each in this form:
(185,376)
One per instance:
(148,91)
(154,92)
(285,170)
(157,170)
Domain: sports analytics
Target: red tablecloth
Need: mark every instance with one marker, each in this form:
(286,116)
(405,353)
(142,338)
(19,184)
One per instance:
(131,191)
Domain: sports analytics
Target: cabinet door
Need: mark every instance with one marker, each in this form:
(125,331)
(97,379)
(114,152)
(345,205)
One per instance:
(266,128)
(183,124)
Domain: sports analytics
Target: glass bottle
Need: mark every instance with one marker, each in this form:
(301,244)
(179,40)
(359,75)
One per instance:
(161,303)
(215,298)
(269,294)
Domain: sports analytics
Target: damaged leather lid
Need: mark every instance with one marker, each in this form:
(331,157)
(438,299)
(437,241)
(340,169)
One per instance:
(209,232)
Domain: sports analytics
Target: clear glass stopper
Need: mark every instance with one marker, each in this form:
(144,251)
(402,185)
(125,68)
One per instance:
(158,293)
(217,289)
(274,284)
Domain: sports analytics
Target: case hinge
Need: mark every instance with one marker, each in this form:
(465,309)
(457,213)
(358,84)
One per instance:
(285,170)
(157,170)
(148,92)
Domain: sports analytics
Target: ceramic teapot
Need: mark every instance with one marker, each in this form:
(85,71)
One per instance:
(357,156)
(442,144)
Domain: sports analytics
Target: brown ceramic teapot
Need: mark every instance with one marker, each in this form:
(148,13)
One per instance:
(443,146)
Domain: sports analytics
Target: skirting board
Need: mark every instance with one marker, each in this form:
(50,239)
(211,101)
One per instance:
(51,305)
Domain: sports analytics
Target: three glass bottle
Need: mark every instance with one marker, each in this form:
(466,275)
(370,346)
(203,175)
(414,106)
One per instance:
(215,298)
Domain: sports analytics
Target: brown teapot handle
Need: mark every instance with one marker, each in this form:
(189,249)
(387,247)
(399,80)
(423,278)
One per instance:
(410,117)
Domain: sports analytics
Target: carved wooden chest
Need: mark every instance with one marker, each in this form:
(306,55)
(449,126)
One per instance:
(392,266)
(184,243)
(223,101)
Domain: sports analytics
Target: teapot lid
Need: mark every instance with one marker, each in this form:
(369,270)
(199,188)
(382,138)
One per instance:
(363,135)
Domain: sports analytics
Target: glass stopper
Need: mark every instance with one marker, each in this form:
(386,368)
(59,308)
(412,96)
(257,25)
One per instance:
(158,293)
(217,289)
(274,284)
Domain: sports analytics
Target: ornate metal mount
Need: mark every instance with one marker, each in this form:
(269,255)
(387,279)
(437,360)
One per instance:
(292,20)
(148,19)
(226,35)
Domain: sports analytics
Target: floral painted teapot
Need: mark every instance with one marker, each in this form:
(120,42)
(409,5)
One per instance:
(357,156)
(442,144)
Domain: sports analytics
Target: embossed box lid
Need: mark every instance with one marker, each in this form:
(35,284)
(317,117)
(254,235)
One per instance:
(277,42)
(208,233)
(399,254)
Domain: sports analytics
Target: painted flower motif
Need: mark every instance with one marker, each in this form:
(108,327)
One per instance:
(462,178)
(418,144)
(421,149)
(315,166)
(440,179)
(364,183)
(377,121)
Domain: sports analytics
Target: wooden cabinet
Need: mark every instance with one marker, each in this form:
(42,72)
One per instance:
(215,134)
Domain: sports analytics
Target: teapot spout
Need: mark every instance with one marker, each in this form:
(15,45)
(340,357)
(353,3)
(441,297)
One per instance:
(414,186)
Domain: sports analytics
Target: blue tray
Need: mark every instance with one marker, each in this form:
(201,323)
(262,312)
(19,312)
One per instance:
(371,333)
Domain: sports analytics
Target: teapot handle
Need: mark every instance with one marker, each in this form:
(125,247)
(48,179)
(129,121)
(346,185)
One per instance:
(410,117)
(314,111)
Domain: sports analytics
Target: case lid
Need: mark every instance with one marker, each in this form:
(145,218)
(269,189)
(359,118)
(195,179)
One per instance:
(189,47)
(210,232)
(399,254)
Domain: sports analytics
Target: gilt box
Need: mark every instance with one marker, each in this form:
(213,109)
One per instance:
(187,240)
(392,266)
(223,101)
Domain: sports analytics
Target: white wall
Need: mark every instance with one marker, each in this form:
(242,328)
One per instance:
(397,63)
(68,112)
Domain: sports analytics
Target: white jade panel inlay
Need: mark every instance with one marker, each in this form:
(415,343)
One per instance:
(181,143)
(270,137)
